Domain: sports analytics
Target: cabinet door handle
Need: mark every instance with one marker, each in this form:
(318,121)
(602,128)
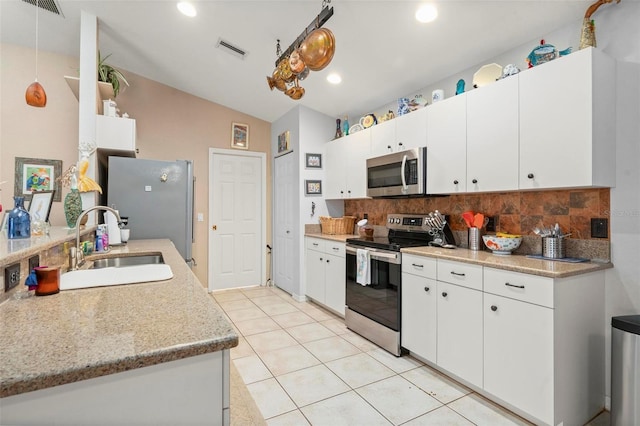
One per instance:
(389,147)
(457,273)
(426,289)
(444,294)
(400,144)
(530,175)
(417,266)
(514,285)
(321,259)
(327,260)
(474,181)
(494,308)
(455,182)
(335,248)
(315,244)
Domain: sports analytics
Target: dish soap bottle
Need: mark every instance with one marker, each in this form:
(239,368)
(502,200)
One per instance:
(345,125)
(19,222)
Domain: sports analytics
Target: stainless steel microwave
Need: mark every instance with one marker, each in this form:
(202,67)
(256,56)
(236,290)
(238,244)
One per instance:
(397,174)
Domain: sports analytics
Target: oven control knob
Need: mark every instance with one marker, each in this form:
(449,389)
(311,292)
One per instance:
(397,221)
(390,220)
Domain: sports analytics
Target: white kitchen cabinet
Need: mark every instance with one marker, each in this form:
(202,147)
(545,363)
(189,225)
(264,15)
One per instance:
(492,137)
(346,166)
(447,146)
(401,133)
(419,315)
(325,266)
(117,133)
(459,342)
(518,354)
(567,122)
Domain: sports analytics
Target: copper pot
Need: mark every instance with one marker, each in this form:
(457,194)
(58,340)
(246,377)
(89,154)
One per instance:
(295,92)
(304,73)
(318,48)
(276,81)
(285,71)
(296,63)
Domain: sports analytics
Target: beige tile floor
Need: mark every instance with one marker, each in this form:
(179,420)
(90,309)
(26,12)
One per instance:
(303,366)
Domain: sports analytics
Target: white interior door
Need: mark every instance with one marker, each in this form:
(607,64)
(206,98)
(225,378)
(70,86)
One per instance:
(284,188)
(237,195)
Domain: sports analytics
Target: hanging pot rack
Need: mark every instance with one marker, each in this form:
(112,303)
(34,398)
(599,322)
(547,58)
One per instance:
(319,21)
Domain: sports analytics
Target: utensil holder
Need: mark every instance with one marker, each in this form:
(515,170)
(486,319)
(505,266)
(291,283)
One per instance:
(553,247)
(475,239)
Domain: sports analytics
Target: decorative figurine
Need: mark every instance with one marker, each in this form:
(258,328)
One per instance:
(460,87)
(338,129)
(588,34)
(345,125)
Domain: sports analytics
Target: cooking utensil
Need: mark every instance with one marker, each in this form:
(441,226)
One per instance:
(296,63)
(478,220)
(468,218)
(318,48)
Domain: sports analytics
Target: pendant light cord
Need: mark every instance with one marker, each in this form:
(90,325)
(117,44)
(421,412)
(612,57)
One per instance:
(37,7)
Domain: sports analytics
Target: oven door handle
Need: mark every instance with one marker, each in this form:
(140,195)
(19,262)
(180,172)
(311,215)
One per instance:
(386,256)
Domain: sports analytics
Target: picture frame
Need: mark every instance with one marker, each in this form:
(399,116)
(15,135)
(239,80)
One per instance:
(40,205)
(239,136)
(37,174)
(313,161)
(284,141)
(313,187)
(5,220)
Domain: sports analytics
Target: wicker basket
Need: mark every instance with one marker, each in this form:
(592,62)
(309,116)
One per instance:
(337,225)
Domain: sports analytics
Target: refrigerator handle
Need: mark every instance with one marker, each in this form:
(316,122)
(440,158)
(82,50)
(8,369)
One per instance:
(193,211)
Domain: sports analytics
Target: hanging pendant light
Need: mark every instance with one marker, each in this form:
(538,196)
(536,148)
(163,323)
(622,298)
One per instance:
(35,95)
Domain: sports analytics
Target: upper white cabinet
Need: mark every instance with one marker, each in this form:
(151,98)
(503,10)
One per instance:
(567,122)
(346,157)
(117,133)
(447,146)
(492,137)
(404,132)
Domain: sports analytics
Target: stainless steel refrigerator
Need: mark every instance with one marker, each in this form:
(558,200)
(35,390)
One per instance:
(156,197)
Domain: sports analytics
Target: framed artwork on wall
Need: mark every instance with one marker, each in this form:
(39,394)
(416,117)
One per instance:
(313,161)
(313,187)
(37,174)
(283,142)
(239,136)
(40,205)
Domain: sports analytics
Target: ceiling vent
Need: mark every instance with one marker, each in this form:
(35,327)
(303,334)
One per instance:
(230,48)
(48,5)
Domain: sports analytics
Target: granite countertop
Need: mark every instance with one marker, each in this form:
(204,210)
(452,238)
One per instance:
(12,251)
(516,263)
(338,237)
(82,334)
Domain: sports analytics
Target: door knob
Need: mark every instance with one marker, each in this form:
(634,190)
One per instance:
(214,227)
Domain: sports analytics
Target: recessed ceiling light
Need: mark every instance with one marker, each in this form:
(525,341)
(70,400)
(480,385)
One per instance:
(426,13)
(334,78)
(187,9)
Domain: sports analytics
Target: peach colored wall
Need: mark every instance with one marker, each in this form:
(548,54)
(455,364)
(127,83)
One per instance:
(516,212)
(170,125)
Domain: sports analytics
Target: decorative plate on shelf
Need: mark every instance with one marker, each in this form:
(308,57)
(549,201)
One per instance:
(487,74)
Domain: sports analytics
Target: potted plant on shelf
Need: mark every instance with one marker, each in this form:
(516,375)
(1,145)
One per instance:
(109,74)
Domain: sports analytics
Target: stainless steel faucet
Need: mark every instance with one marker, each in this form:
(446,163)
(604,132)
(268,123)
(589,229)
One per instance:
(76,255)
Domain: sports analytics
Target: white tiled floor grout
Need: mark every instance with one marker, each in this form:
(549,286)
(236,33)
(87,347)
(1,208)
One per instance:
(303,366)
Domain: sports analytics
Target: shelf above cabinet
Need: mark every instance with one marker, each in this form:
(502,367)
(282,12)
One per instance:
(105,91)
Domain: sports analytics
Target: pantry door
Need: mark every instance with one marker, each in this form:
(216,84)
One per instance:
(237,219)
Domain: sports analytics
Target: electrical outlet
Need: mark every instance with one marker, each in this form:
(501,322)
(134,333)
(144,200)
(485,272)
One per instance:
(34,262)
(491,224)
(11,276)
(599,228)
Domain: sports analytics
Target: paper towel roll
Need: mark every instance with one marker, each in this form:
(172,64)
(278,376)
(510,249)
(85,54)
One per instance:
(112,228)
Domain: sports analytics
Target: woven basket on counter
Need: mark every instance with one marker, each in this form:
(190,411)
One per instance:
(337,225)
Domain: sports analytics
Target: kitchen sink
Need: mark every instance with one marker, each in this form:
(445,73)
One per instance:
(121,261)
(118,270)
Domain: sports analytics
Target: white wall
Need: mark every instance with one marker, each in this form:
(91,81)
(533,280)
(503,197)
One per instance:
(618,35)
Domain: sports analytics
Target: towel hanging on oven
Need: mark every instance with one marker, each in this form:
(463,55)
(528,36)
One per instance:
(363,267)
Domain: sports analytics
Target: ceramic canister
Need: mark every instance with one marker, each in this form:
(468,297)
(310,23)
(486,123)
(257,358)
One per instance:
(48,280)
(437,95)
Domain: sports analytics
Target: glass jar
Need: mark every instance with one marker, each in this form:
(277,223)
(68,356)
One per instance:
(19,222)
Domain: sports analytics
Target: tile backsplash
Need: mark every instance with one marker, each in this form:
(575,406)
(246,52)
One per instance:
(514,212)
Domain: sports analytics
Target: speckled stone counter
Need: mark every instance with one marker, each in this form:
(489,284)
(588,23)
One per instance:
(338,237)
(81,334)
(516,263)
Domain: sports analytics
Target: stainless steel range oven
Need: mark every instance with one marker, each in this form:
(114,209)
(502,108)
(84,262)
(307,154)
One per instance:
(374,309)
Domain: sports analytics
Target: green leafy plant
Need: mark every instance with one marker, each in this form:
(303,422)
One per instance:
(109,74)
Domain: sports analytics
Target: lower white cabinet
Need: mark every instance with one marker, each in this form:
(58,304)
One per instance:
(459,347)
(531,343)
(518,354)
(325,269)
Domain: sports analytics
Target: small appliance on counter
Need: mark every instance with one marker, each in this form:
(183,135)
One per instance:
(374,308)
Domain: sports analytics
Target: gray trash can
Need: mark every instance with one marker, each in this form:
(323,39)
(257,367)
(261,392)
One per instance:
(625,370)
